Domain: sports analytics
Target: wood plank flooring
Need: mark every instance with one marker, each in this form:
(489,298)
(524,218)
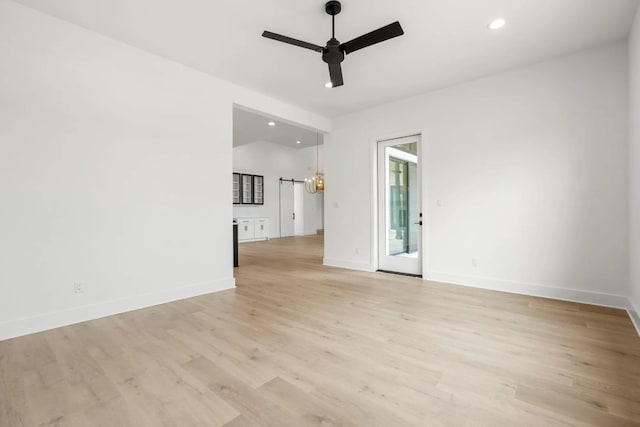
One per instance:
(299,344)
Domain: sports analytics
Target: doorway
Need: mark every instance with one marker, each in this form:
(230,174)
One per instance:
(399,206)
(267,150)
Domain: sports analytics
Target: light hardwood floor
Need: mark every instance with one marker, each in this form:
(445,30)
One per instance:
(300,344)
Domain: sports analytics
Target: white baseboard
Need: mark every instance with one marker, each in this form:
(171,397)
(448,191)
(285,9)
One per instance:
(574,295)
(564,294)
(43,322)
(261,239)
(361,266)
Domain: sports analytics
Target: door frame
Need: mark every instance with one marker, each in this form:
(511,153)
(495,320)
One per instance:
(424,199)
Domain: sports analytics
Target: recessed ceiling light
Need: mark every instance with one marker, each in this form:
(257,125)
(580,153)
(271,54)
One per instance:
(498,23)
(328,85)
(271,123)
(297,142)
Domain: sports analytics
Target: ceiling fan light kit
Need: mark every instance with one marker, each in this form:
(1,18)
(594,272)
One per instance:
(334,51)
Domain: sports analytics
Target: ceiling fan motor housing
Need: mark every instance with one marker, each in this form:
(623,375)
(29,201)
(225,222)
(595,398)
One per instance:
(333,54)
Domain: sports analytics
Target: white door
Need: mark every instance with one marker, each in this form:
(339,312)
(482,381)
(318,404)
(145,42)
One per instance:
(286,208)
(298,209)
(399,206)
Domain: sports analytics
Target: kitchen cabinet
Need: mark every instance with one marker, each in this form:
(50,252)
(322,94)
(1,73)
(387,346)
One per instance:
(252,229)
(248,189)
(236,189)
(258,190)
(261,228)
(246,230)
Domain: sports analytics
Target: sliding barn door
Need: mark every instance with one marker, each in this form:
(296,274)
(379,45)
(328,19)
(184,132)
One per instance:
(287,212)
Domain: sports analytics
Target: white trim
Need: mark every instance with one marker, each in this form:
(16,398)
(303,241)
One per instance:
(425,196)
(564,294)
(351,265)
(634,314)
(261,239)
(373,212)
(43,322)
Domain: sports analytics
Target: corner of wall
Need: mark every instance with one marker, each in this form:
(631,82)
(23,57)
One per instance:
(634,172)
(634,314)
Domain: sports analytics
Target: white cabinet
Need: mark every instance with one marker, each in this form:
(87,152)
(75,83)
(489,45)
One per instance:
(261,227)
(246,230)
(252,229)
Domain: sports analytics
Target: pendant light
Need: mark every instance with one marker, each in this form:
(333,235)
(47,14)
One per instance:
(315,184)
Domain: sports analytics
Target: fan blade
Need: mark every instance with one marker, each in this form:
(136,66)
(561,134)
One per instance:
(335,72)
(376,36)
(289,40)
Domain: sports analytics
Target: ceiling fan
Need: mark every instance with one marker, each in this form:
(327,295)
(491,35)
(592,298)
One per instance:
(333,53)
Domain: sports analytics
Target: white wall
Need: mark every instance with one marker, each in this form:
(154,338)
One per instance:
(275,161)
(634,165)
(115,171)
(530,167)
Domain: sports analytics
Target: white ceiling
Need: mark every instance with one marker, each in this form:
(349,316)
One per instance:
(445,41)
(250,127)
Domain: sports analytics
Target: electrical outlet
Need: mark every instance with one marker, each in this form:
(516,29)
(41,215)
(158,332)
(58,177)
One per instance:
(357,251)
(78,288)
(474,262)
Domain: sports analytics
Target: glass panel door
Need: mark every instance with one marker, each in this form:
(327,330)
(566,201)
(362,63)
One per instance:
(399,203)
(236,188)
(258,190)
(247,187)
